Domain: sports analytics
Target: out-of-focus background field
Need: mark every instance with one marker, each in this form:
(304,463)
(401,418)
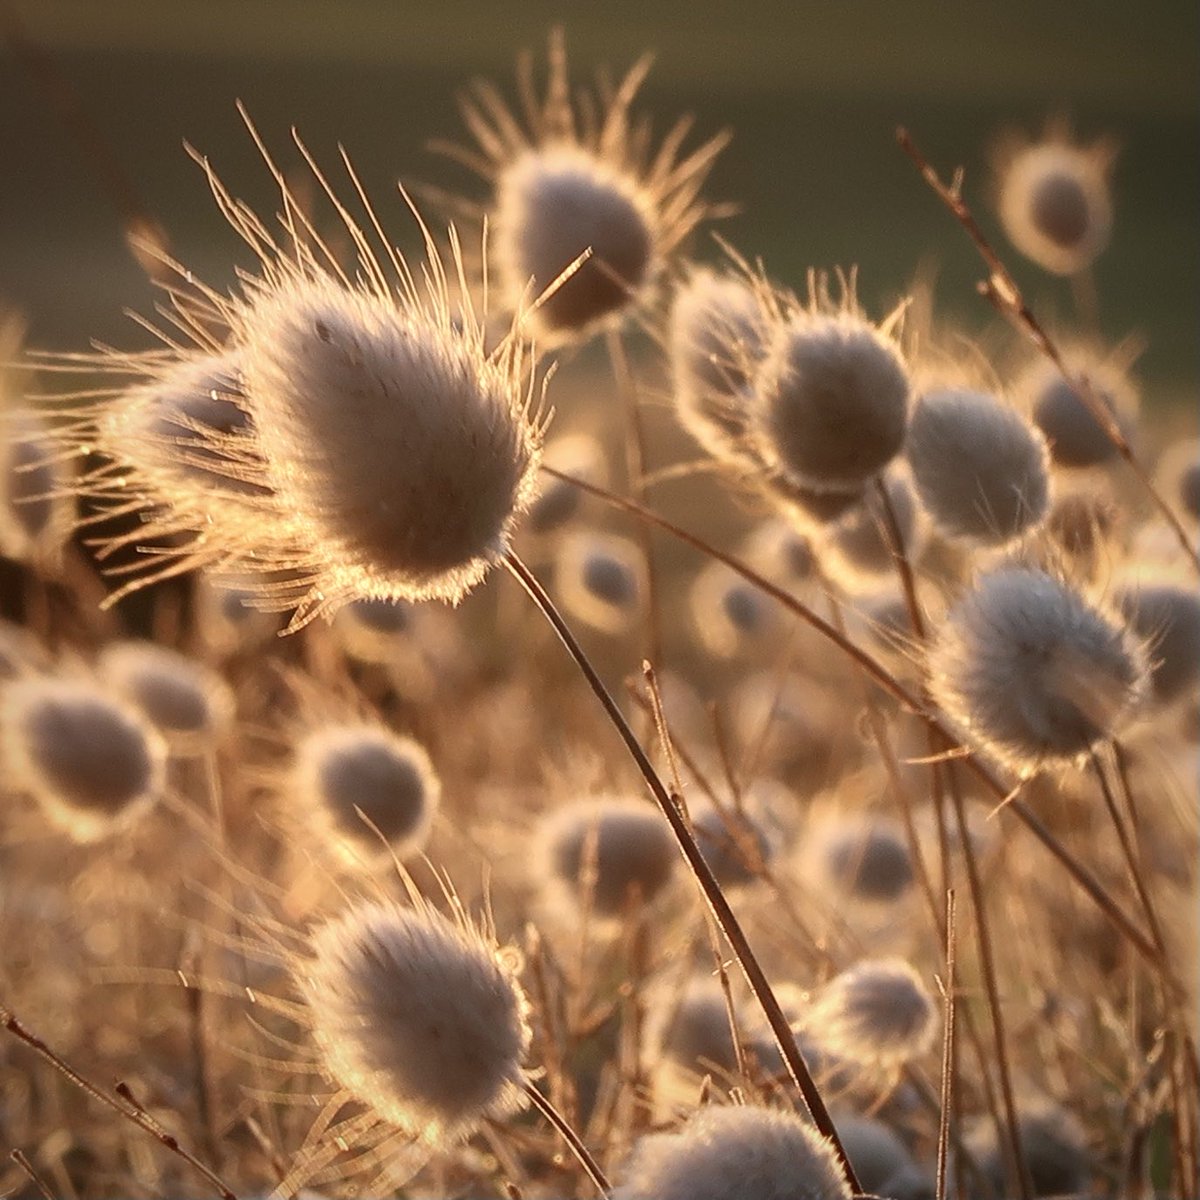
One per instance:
(812,92)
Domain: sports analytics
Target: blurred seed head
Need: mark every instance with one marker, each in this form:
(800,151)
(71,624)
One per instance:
(606,852)
(1056,1154)
(735,844)
(368,782)
(1085,529)
(867,859)
(1166,617)
(420,1019)
(715,340)
(1058,407)
(881,1160)
(857,547)
(600,579)
(1055,203)
(581,176)
(227,616)
(830,403)
(728,1153)
(190,704)
(89,759)
(1178,477)
(1032,670)
(730,615)
(782,553)
(576,454)
(878,1013)
(980,470)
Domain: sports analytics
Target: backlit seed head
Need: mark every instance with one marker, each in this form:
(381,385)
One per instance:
(830,404)
(1058,407)
(420,1019)
(335,432)
(858,545)
(579,175)
(227,616)
(878,1013)
(736,845)
(980,470)
(579,455)
(1032,670)
(1055,202)
(371,630)
(692,1029)
(715,339)
(187,702)
(881,1160)
(363,782)
(730,614)
(90,760)
(402,451)
(782,553)
(867,859)
(605,853)
(1166,617)
(730,1153)
(34,503)
(1054,1149)
(1178,477)
(1085,528)
(600,579)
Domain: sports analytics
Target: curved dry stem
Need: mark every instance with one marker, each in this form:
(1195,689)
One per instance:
(877,672)
(671,809)
(582,1154)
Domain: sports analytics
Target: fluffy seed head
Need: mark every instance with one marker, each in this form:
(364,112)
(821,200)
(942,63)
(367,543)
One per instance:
(715,340)
(1167,617)
(734,844)
(576,454)
(600,579)
(34,512)
(731,1153)
(552,205)
(858,544)
(881,1160)
(581,176)
(831,401)
(878,1013)
(730,614)
(188,703)
(1059,410)
(980,470)
(1055,204)
(403,453)
(1178,477)
(692,1029)
(227,617)
(420,1019)
(90,760)
(603,852)
(1053,1145)
(350,772)
(1032,670)
(868,860)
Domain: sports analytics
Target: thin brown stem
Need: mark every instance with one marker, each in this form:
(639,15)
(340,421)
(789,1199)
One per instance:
(715,898)
(890,684)
(946,1115)
(1001,290)
(18,1156)
(133,1112)
(567,1132)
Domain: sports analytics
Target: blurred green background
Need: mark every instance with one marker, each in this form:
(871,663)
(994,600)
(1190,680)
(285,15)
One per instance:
(812,91)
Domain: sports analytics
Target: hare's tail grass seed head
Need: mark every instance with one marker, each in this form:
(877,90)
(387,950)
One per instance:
(282,458)
(831,396)
(576,172)
(421,1019)
(361,783)
(1054,199)
(729,1153)
(90,760)
(1034,671)
(878,1013)
(980,470)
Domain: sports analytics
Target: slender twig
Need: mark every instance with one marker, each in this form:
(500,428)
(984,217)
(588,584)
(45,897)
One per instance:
(18,1156)
(890,684)
(945,1117)
(130,1111)
(670,807)
(565,1130)
(1001,290)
